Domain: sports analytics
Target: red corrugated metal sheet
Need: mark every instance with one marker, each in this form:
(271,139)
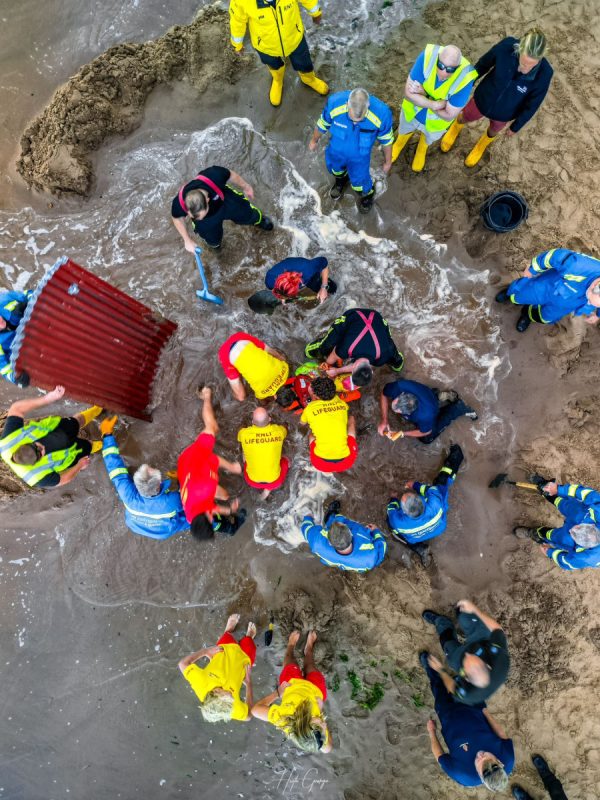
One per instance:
(99,343)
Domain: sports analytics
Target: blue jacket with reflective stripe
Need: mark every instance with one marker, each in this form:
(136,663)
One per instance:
(157,517)
(368,549)
(580,505)
(13,317)
(354,140)
(573,273)
(432,521)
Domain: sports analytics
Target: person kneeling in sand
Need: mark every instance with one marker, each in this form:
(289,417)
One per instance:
(333,433)
(262,443)
(218,684)
(344,543)
(302,694)
(245,356)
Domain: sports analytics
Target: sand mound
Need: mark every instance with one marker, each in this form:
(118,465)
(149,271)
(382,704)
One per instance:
(107,97)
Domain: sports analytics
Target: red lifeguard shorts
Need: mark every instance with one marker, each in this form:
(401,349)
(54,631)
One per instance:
(245,643)
(315,677)
(285,465)
(323,465)
(228,368)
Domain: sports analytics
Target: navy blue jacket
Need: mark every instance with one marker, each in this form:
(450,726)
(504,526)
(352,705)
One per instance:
(504,93)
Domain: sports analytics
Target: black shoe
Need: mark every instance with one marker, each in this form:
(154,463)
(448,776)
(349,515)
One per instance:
(266,224)
(540,763)
(423,656)
(519,793)
(332,509)
(430,617)
(454,458)
(521,532)
(366,202)
(502,296)
(422,550)
(22,380)
(524,321)
(214,246)
(337,190)
(234,522)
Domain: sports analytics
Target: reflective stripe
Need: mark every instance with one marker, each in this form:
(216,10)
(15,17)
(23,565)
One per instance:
(6,370)
(322,125)
(10,306)
(313,10)
(447,469)
(548,257)
(367,547)
(576,278)
(585,493)
(119,471)
(423,489)
(430,60)
(572,489)
(387,138)
(151,516)
(110,451)
(1,350)
(556,554)
(373,118)
(237,39)
(592,514)
(335,112)
(535,265)
(422,527)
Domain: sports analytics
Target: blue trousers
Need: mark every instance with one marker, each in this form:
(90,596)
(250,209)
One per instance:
(356,166)
(540,293)
(446,415)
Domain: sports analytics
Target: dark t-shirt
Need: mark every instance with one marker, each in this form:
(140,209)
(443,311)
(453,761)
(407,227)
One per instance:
(219,176)
(343,334)
(425,414)
(493,651)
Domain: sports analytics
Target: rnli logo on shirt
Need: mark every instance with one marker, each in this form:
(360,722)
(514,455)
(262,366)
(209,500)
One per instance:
(339,124)
(522,89)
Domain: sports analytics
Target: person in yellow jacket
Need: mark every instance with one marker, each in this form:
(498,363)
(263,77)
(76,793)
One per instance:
(438,87)
(244,356)
(46,452)
(217,685)
(276,33)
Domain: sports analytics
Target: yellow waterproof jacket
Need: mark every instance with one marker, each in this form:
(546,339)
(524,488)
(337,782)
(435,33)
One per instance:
(276,30)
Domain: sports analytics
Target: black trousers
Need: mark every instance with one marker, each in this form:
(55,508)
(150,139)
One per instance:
(237,208)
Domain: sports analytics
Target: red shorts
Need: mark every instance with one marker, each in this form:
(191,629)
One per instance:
(323,465)
(315,677)
(246,645)
(285,465)
(228,368)
(471,113)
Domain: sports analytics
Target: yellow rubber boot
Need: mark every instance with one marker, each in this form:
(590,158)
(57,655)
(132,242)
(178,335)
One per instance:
(400,144)
(89,414)
(474,156)
(451,136)
(420,154)
(96,445)
(276,92)
(310,79)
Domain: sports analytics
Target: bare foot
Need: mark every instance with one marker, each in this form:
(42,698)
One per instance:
(310,642)
(236,468)
(234,505)
(232,623)
(294,637)
(251,632)
(434,662)
(204,392)
(264,494)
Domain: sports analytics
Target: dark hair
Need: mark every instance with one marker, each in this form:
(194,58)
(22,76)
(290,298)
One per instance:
(201,528)
(324,388)
(195,201)
(26,455)
(285,396)
(363,375)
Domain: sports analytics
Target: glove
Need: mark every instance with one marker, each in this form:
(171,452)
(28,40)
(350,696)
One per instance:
(172,474)
(108,425)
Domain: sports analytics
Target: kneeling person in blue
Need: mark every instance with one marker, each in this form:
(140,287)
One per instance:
(480,752)
(430,410)
(557,283)
(341,542)
(576,544)
(287,278)
(12,308)
(354,121)
(420,513)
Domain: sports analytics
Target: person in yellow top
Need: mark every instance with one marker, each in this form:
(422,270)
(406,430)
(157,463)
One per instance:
(218,684)
(262,443)
(276,32)
(245,356)
(302,694)
(333,432)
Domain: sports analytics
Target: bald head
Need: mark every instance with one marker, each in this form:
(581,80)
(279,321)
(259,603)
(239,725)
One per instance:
(260,418)
(450,56)
(476,670)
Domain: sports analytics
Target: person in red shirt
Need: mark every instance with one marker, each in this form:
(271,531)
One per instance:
(198,474)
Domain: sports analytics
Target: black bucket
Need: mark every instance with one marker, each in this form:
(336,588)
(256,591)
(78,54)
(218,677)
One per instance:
(504,211)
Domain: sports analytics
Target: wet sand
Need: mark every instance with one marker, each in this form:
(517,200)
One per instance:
(96,618)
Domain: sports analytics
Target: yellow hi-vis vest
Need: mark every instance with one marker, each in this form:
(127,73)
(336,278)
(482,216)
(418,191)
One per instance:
(276,30)
(265,373)
(31,432)
(457,81)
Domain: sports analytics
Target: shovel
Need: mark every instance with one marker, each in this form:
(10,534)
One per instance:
(269,631)
(203,293)
(265,302)
(502,478)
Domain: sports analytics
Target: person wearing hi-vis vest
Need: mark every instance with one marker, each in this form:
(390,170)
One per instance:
(12,308)
(245,357)
(277,33)
(46,452)
(438,87)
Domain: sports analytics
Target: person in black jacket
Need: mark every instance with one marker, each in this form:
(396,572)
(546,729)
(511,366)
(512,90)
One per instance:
(515,78)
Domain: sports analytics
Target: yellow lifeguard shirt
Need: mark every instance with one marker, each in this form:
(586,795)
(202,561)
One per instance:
(265,373)
(226,670)
(262,451)
(328,420)
(293,695)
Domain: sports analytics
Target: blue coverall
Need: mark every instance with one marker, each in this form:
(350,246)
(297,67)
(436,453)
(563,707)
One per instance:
(433,520)
(158,517)
(558,286)
(369,546)
(11,310)
(579,505)
(350,144)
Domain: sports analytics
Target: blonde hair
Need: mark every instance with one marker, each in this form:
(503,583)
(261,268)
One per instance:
(533,44)
(300,730)
(217,707)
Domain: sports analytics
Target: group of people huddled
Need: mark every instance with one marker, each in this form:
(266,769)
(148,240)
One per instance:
(513,79)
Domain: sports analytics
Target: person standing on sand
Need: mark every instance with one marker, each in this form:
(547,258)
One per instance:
(262,443)
(276,33)
(515,80)
(217,685)
(354,121)
(481,662)
(302,694)
(551,783)
(207,201)
(12,308)
(556,283)
(438,86)
(480,752)
(576,544)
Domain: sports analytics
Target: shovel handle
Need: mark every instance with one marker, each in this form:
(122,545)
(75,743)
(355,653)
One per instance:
(531,486)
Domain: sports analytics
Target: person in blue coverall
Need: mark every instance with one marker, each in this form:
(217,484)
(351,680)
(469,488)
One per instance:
(576,544)
(354,121)
(556,283)
(288,277)
(479,751)
(12,308)
(341,542)
(152,507)
(421,512)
